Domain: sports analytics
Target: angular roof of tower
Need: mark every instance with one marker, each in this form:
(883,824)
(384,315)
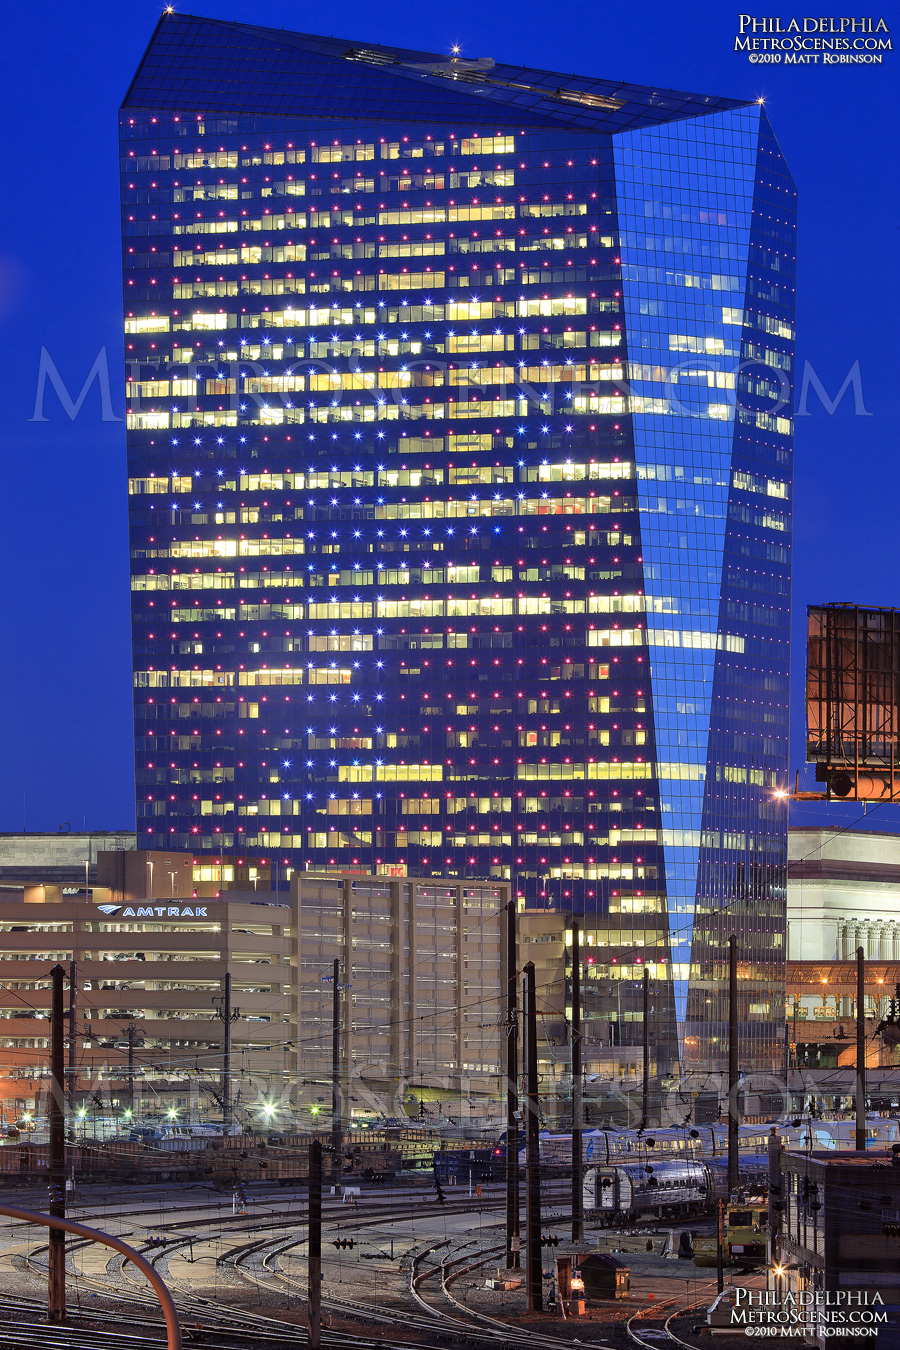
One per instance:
(208,65)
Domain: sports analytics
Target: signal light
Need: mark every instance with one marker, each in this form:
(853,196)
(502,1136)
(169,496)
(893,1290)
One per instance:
(343,1242)
(550,1240)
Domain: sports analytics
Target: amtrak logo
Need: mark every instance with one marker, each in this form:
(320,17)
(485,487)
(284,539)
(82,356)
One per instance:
(155,911)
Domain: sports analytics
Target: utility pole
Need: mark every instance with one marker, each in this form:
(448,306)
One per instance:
(860,1050)
(314,1249)
(512,1091)
(73,1038)
(732,1066)
(227,1016)
(56,1287)
(336,1103)
(645,1084)
(132,1031)
(774,1214)
(533,1262)
(577,1094)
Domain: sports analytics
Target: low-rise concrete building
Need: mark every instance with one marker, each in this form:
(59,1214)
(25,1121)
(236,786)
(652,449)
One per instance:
(58,859)
(612,1018)
(840,1224)
(422,972)
(422,990)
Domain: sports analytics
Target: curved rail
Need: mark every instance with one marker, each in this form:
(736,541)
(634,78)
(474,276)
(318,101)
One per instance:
(170,1313)
(655,1312)
(490,1329)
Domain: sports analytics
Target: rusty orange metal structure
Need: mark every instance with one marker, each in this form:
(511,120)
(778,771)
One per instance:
(853,701)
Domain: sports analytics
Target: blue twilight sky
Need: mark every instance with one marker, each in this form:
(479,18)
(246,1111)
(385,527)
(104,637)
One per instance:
(65,724)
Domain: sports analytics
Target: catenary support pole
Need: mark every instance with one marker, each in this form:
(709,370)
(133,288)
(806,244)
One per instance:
(645,1081)
(132,1031)
(314,1248)
(337,1122)
(732,1066)
(512,1090)
(774,1214)
(720,1247)
(860,1050)
(226,1052)
(577,1092)
(533,1263)
(56,1287)
(73,1036)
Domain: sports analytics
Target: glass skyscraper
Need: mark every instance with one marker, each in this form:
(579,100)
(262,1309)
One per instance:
(459,441)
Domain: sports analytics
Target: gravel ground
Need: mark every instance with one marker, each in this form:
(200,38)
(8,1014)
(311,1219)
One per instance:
(384,1283)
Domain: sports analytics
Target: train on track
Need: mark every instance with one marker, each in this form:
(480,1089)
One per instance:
(460,1163)
(176,1136)
(672,1188)
(705,1142)
(743,1235)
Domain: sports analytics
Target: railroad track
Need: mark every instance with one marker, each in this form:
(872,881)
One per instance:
(666,1314)
(202,1322)
(195,1310)
(255,1263)
(487,1330)
(365,1311)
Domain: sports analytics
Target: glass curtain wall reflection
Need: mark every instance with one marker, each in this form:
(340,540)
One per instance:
(460,453)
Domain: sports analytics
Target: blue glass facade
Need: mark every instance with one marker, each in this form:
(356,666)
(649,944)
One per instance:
(460,449)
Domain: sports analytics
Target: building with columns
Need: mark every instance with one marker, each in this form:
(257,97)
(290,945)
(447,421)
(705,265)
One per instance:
(842,894)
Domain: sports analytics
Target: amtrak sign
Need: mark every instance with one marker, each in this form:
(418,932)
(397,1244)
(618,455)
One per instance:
(155,911)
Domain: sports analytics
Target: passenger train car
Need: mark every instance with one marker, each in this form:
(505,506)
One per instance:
(674,1187)
(175,1137)
(604,1147)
